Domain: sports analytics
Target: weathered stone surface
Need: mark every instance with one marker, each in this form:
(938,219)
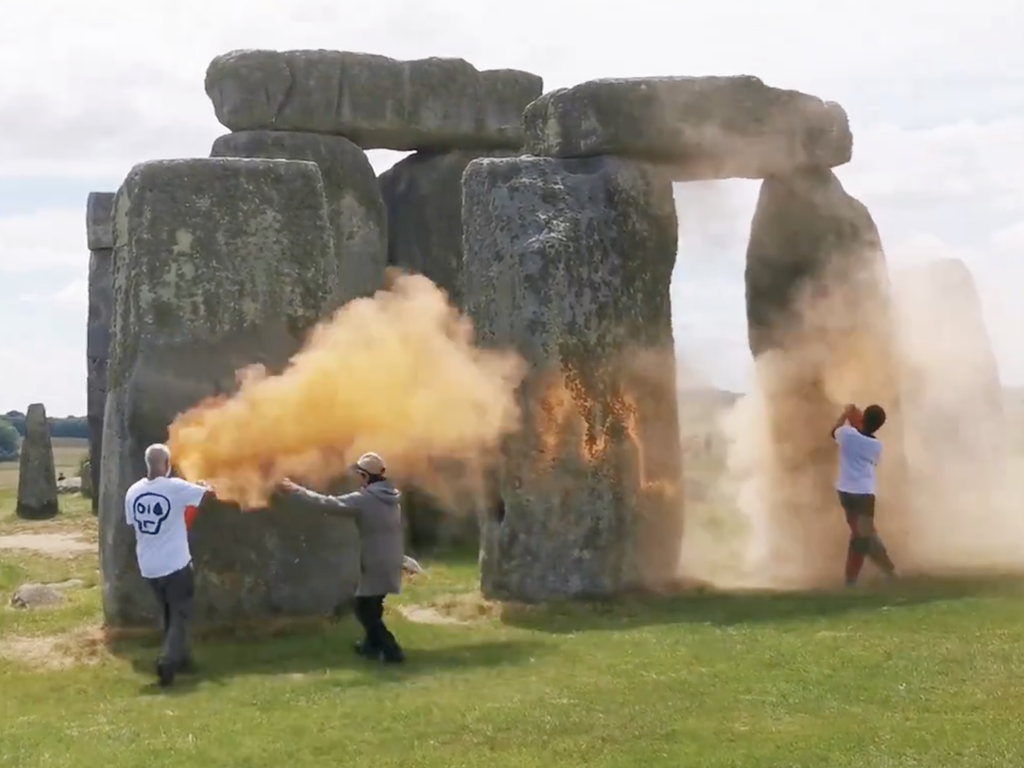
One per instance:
(423,195)
(376,101)
(98,227)
(806,231)
(706,127)
(569,261)
(97,345)
(354,201)
(37,478)
(219,263)
(819,322)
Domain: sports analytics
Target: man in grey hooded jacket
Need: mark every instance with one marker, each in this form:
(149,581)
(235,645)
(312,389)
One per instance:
(377,512)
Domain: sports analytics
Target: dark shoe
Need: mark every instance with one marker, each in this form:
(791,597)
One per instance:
(165,675)
(366,652)
(393,655)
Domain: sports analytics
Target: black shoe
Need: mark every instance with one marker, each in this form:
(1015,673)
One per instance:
(165,675)
(362,649)
(393,655)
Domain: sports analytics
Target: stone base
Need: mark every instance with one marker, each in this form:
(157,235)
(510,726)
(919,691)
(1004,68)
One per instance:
(45,512)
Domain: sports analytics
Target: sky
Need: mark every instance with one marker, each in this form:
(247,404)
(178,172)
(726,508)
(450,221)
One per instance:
(935,95)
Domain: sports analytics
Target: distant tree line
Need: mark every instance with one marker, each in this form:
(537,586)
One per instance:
(10,440)
(68,426)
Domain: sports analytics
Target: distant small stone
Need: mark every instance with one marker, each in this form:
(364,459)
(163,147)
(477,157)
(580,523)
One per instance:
(43,595)
(70,485)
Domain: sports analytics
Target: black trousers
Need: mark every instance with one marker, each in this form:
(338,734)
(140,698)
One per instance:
(370,613)
(176,595)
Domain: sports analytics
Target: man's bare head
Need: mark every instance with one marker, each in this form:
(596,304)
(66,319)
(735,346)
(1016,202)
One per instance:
(158,461)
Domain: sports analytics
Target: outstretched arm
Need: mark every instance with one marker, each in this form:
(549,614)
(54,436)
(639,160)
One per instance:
(330,505)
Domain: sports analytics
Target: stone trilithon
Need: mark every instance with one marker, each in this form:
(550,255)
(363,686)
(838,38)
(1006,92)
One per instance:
(548,218)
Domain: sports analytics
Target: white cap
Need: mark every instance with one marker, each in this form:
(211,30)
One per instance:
(371,464)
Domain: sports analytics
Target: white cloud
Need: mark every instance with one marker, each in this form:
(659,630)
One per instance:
(44,239)
(73,295)
(54,376)
(1009,240)
(948,163)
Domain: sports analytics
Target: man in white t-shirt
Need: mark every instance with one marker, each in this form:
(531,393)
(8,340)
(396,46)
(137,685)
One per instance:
(859,452)
(160,509)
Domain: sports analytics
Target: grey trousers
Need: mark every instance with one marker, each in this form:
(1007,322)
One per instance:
(176,595)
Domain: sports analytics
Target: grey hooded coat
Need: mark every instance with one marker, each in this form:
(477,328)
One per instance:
(378,516)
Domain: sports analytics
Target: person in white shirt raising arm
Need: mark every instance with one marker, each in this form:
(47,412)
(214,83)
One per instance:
(160,509)
(859,451)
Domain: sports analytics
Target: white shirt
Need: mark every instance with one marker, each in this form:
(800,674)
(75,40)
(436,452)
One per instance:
(156,510)
(858,457)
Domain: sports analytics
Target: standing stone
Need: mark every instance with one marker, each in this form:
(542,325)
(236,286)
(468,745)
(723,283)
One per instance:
(819,325)
(423,195)
(98,229)
(100,236)
(956,435)
(569,262)
(354,201)
(219,264)
(37,478)
(86,487)
(707,127)
(376,101)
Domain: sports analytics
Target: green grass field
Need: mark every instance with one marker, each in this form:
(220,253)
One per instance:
(920,674)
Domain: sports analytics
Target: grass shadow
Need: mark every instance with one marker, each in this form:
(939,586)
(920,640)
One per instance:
(730,609)
(311,648)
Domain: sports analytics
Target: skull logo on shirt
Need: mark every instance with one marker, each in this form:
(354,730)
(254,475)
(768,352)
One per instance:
(149,511)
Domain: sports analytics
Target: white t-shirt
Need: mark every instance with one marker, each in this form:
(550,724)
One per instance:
(156,510)
(858,457)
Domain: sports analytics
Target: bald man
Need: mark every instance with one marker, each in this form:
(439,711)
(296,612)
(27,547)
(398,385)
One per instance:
(160,509)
